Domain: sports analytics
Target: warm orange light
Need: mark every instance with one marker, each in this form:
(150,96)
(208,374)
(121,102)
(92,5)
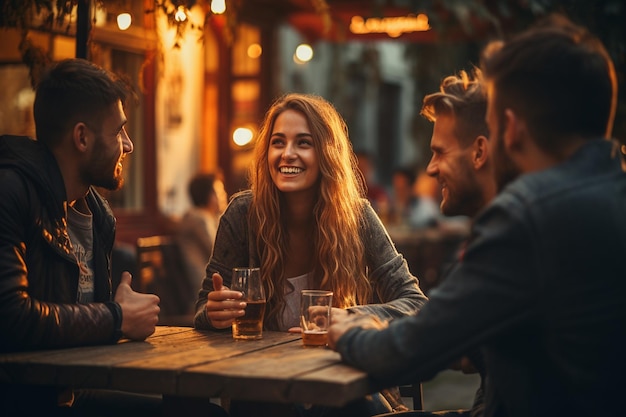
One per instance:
(254,50)
(393,26)
(124,20)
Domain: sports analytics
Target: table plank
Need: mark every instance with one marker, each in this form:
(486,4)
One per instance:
(89,366)
(286,373)
(160,373)
(323,387)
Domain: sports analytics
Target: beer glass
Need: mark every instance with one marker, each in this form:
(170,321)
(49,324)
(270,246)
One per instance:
(315,307)
(248,282)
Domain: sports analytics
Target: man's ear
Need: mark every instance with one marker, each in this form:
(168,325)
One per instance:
(480,152)
(79,136)
(513,130)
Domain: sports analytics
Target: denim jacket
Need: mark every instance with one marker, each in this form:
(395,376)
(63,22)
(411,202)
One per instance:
(540,290)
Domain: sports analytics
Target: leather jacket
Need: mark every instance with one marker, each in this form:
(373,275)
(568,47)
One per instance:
(38,271)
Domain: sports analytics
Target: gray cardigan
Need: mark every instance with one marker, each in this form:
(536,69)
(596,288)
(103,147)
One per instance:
(395,290)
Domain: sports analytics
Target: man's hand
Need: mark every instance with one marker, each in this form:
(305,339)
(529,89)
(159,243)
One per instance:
(223,305)
(340,324)
(338,314)
(335,313)
(140,312)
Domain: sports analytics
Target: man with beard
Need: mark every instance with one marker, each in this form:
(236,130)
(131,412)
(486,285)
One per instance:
(460,146)
(462,165)
(57,233)
(541,287)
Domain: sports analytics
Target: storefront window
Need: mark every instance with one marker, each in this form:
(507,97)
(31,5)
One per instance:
(131,196)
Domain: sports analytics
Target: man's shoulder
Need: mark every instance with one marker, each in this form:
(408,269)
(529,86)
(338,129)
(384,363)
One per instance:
(12,146)
(13,181)
(26,158)
(593,166)
(590,175)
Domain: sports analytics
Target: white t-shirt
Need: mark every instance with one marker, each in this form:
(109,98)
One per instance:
(293,286)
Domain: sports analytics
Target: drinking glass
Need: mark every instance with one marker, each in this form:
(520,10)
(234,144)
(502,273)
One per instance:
(248,282)
(315,308)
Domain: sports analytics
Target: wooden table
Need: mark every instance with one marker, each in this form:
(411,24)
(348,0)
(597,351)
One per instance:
(183,362)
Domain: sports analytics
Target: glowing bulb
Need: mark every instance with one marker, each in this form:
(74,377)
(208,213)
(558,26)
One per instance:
(124,20)
(304,52)
(180,15)
(254,50)
(218,6)
(242,136)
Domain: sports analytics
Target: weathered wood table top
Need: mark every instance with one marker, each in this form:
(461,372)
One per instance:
(181,361)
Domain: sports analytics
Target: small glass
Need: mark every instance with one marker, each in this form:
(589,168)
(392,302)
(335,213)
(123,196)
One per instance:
(315,308)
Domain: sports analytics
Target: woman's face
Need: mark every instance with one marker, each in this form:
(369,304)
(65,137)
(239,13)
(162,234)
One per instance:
(292,157)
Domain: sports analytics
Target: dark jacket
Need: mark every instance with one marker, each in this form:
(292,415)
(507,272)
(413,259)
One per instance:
(540,289)
(38,271)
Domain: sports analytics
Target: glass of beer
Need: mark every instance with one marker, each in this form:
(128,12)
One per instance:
(315,308)
(250,325)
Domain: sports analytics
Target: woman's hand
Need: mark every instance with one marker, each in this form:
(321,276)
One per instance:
(223,305)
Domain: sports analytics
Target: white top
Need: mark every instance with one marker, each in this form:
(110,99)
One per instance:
(293,287)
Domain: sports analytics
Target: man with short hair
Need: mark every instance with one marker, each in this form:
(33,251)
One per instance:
(460,144)
(540,288)
(461,163)
(57,232)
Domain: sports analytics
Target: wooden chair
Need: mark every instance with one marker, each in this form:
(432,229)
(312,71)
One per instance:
(414,392)
(162,271)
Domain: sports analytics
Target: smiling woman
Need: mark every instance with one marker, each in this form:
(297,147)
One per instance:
(306,223)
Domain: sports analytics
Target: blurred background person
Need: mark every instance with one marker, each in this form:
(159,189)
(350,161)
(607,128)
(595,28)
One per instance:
(197,228)
(376,193)
(407,209)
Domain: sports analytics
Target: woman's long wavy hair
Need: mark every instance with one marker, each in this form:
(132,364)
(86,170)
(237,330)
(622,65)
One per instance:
(339,256)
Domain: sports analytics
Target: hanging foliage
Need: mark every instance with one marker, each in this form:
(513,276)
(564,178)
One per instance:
(43,15)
